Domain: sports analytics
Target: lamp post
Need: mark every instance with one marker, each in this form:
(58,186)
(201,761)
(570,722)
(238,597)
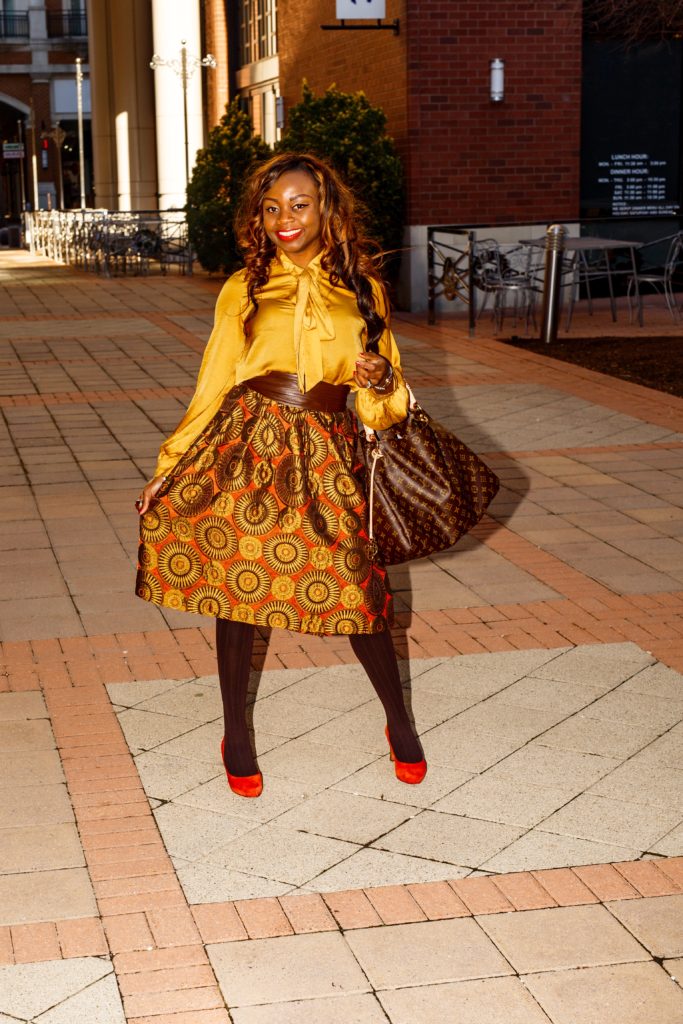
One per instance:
(34,160)
(185,67)
(79,114)
(57,134)
(22,164)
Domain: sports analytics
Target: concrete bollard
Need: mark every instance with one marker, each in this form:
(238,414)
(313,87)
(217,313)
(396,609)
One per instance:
(552,283)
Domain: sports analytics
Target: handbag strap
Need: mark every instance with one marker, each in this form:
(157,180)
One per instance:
(377,454)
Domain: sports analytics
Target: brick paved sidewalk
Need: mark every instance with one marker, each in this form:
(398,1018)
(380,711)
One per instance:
(536,875)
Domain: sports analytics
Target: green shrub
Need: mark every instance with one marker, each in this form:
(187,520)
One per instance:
(347,131)
(214,189)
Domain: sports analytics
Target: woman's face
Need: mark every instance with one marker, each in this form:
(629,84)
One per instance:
(291,216)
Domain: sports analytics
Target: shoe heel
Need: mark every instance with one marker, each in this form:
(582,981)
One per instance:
(391,749)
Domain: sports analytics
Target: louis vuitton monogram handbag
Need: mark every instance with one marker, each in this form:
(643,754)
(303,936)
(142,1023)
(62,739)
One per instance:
(425,487)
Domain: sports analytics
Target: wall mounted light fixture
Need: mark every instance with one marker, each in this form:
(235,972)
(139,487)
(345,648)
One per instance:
(497,85)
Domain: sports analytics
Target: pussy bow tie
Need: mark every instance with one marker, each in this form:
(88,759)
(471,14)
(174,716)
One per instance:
(312,324)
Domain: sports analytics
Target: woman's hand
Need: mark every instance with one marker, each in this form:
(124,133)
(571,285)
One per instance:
(370,369)
(149,494)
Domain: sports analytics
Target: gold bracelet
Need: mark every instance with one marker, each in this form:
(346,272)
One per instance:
(383,386)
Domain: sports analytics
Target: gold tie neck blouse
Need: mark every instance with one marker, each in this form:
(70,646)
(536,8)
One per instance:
(304,325)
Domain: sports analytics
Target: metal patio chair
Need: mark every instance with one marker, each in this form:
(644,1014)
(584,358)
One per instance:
(505,273)
(659,279)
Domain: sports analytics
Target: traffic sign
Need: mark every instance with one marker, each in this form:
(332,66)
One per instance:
(13,150)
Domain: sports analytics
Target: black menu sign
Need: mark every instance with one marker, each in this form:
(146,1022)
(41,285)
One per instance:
(631,130)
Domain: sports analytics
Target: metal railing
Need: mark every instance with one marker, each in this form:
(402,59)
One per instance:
(110,243)
(450,270)
(453,266)
(66,24)
(14,26)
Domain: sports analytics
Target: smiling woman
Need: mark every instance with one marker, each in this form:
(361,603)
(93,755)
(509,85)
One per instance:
(291,216)
(255,515)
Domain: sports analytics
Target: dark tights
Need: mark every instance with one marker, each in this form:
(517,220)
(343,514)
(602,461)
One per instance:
(376,653)
(234,643)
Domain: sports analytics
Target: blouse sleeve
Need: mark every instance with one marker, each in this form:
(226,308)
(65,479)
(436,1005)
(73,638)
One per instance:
(378,411)
(216,373)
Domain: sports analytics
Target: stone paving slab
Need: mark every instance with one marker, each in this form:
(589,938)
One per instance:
(61,992)
(535,766)
(546,656)
(524,417)
(539,966)
(83,450)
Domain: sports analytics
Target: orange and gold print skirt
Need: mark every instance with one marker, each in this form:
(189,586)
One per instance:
(263,521)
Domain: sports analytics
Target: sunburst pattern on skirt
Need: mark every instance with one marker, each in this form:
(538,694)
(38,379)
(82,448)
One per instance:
(263,521)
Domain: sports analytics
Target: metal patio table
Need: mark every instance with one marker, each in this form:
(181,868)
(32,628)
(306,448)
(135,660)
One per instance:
(582,244)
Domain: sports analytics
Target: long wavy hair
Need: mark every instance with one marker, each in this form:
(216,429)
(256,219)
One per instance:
(347,254)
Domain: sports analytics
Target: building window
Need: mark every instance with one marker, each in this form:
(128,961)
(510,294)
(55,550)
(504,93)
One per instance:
(257,68)
(257,30)
(14,20)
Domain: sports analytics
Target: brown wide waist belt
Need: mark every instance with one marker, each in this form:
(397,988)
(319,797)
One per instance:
(283,387)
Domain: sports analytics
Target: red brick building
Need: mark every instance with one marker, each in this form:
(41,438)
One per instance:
(587,131)
(39,43)
(583,129)
(469,160)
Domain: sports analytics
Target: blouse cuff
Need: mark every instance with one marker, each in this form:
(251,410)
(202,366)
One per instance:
(378,411)
(165,464)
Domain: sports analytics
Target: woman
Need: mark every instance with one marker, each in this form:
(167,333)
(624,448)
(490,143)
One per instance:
(254,515)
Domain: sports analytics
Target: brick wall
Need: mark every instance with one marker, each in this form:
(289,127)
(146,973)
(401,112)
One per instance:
(467,159)
(374,62)
(16,57)
(474,161)
(18,86)
(21,88)
(67,54)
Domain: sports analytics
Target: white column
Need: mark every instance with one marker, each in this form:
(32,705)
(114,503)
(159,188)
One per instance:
(120,44)
(174,21)
(37,21)
(37,27)
(123,160)
(103,107)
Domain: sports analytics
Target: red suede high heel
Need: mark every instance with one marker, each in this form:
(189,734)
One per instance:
(243,785)
(410,772)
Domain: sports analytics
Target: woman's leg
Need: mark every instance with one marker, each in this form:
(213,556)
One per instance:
(376,653)
(234,643)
